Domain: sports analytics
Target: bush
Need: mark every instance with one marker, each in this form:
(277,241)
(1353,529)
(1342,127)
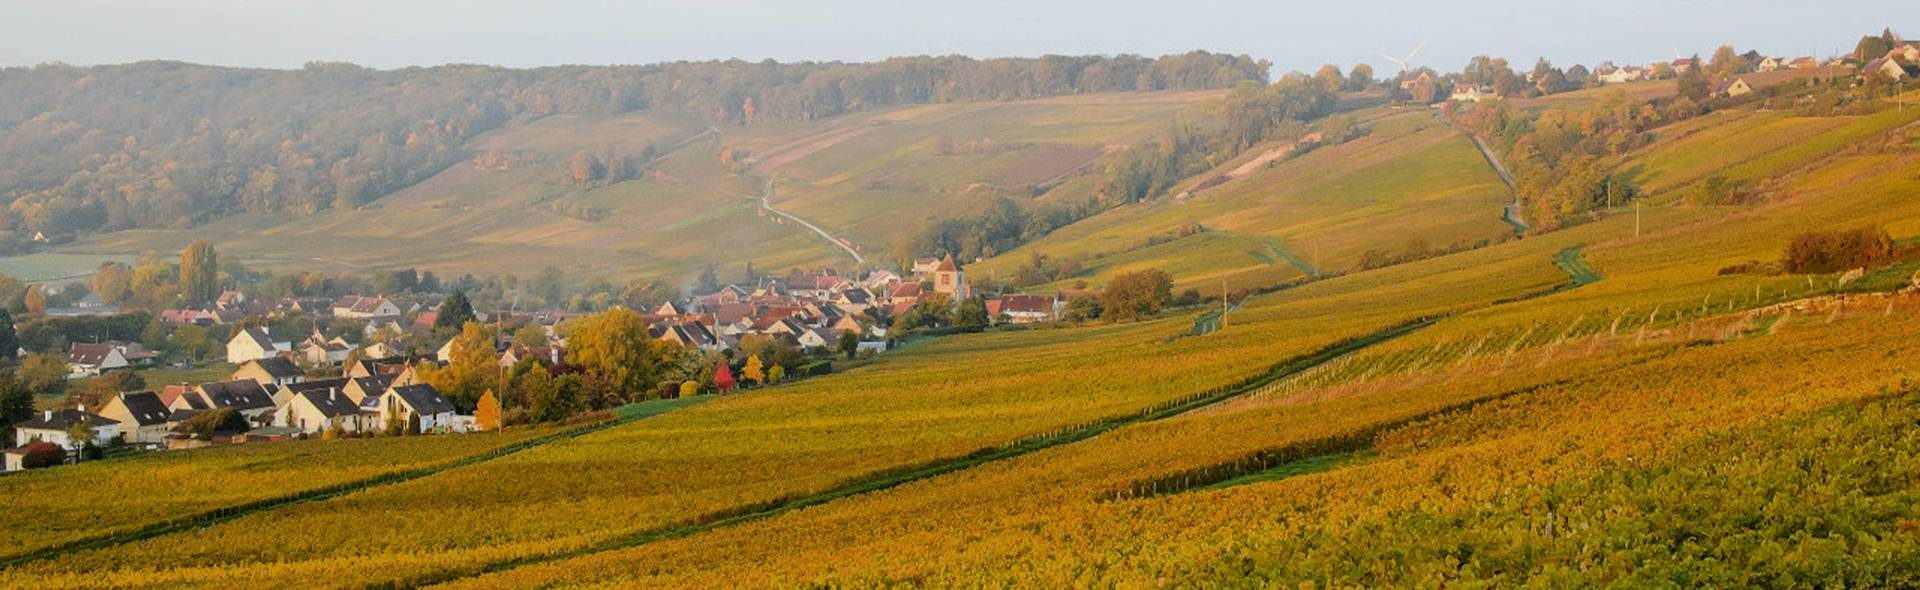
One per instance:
(1820,252)
(44,454)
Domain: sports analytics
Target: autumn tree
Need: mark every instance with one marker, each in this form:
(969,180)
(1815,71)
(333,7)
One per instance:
(776,375)
(472,370)
(753,371)
(1359,78)
(723,378)
(101,390)
(113,282)
(36,299)
(1726,63)
(43,374)
(1136,295)
(615,346)
(486,413)
(199,273)
(1329,78)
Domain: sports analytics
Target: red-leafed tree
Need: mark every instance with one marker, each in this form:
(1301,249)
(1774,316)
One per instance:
(723,378)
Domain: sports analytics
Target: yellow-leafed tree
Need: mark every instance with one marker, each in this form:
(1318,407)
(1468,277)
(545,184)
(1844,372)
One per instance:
(486,415)
(754,371)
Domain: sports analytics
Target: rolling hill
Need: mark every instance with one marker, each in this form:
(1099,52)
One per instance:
(1614,402)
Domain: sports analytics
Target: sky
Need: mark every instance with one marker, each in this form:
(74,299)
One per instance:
(1294,35)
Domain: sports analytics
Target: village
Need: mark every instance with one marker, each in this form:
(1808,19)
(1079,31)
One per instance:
(1897,65)
(300,386)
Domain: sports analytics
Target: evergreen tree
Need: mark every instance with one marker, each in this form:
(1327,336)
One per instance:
(849,344)
(9,340)
(16,405)
(455,312)
(709,282)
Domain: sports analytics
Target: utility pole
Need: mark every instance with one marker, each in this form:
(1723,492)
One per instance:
(1636,219)
(1223,304)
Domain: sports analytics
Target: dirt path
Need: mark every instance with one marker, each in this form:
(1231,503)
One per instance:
(1511,212)
(766,202)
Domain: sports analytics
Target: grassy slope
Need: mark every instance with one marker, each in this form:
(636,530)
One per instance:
(516,220)
(1409,179)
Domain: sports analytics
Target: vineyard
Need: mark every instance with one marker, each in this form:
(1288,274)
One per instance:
(1620,402)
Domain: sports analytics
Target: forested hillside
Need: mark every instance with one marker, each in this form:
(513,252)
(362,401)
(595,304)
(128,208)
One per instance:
(171,145)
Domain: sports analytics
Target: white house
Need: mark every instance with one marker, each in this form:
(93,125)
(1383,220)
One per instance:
(53,426)
(405,402)
(1620,75)
(1471,93)
(319,350)
(254,343)
(142,416)
(93,359)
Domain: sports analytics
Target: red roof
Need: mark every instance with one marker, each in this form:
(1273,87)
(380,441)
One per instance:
(947,265)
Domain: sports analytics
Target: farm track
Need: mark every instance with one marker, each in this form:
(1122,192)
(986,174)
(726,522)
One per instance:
(890,478)
(1511,212)
(223,514)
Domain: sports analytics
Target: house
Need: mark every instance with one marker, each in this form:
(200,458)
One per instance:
(54,425)
(551,357)
(817,338)
(925,266)
(93,359)
(184,317)
(421,401)
(142,416)
(321,405)
(380,350)
(1680,66)
(1771,63)
(1905,51)
(270,372)
(254,343)
(230,299)
(1733,88)
(321,351)
(246,396)
(1803,63)
(1471,93)
(362,308)
(879,280)
(1886,67)
(1621,75)
(1027,309)
(950,279)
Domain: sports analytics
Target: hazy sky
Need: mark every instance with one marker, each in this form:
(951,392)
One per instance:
(1293,34)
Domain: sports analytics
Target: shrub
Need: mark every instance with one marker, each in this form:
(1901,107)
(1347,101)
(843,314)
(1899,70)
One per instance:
(43,454)
(1819,252)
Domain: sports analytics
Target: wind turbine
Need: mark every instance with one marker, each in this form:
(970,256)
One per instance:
(1406,63)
